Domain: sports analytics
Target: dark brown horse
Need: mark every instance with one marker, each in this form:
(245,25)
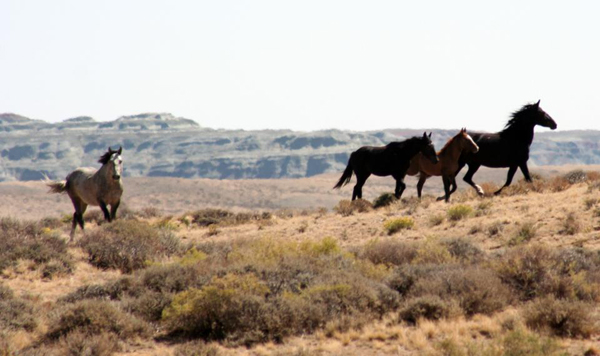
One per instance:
(447,165)
(88,186)
(392,159)
(507,148)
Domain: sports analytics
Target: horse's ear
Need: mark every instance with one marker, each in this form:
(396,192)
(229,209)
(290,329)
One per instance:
(538,103)
(110,150)
(430,134)
(120,149)
(424,134)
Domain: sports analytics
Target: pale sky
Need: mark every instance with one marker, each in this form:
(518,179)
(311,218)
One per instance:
(303,65)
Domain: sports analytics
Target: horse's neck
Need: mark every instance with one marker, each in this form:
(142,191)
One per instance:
(104,176)
(524,133)
(451,151)
(412,150)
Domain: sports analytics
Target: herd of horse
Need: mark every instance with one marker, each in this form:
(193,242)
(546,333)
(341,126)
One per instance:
(508,148)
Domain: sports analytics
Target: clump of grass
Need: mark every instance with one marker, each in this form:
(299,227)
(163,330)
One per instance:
(196,348)
(459,212)
(392,226)
(483,208)
(589,203)
(347,207)
(571,224)
(495,228)
(432,251)
(562,317)
(436,219)
(385,199)
(127,245)
(526,270)
(524,234)
(222,217)
(522,342)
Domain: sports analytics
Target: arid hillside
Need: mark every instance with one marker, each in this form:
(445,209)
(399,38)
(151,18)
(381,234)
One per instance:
(516,274)
(178,195)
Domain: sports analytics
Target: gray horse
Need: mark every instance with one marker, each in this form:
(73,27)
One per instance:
(88,186)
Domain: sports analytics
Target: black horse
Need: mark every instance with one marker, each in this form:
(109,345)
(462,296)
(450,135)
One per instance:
(507,148)
(392,159)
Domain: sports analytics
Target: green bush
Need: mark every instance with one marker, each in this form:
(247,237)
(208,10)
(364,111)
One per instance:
(392,226)
(459,212)
(127,245)
(385,199)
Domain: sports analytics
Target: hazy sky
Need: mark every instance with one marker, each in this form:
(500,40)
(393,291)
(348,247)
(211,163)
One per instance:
(303,65)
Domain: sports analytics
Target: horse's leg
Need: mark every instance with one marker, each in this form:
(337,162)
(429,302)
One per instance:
(447,183)
(113,209)
(360,181)
(400,186)
(421,183)
(511,173)
(525,171)
(82,208)
(104,210)
(473,167)
(79,206)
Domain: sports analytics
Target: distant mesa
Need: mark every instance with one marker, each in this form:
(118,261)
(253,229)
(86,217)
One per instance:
(80,119)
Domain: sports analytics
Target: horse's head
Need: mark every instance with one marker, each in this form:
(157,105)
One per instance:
(427,148)
(114,162)
(466,142)
(542,118)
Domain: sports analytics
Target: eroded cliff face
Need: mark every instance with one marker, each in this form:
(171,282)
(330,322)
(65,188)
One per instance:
(162,145)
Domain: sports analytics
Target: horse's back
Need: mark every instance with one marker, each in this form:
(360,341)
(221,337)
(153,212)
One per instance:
(81,185)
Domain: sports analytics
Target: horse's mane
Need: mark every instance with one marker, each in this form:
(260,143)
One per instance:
(105,157)
(520,117)
(402,144)
(448,144)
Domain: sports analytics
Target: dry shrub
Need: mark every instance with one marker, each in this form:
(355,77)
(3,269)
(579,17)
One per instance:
(459,212)
(571,225)
(222,217)
(127,245)
(432,251)
(463,250)
(495,228)
(27,240)
(347,207)
(80,343)
(561,317)
(522,342)
(427,307)
(437,219)
(589,203)
(475,290)
(392,226)
(389,252)
(526,269)
(149,212)
(196,348)
(95,317)
(16,313)
(385,199)
(403,279)
(524,234)
(576,176)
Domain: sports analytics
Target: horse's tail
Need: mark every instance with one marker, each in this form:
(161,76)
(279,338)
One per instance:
(345,178)
(57,187)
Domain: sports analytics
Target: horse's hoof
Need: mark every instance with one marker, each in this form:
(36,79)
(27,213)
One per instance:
(440,198)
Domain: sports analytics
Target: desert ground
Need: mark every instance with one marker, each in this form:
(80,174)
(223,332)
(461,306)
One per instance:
(291,267)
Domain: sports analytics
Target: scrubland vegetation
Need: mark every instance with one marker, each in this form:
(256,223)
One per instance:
(480,276)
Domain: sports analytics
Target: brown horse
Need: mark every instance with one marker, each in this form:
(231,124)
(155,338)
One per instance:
(447,165)
(88,186)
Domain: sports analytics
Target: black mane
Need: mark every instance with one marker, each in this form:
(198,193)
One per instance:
(521,117)
(105,157)
(396,145)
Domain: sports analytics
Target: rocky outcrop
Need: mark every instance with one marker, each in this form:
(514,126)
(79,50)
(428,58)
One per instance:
(162,145)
